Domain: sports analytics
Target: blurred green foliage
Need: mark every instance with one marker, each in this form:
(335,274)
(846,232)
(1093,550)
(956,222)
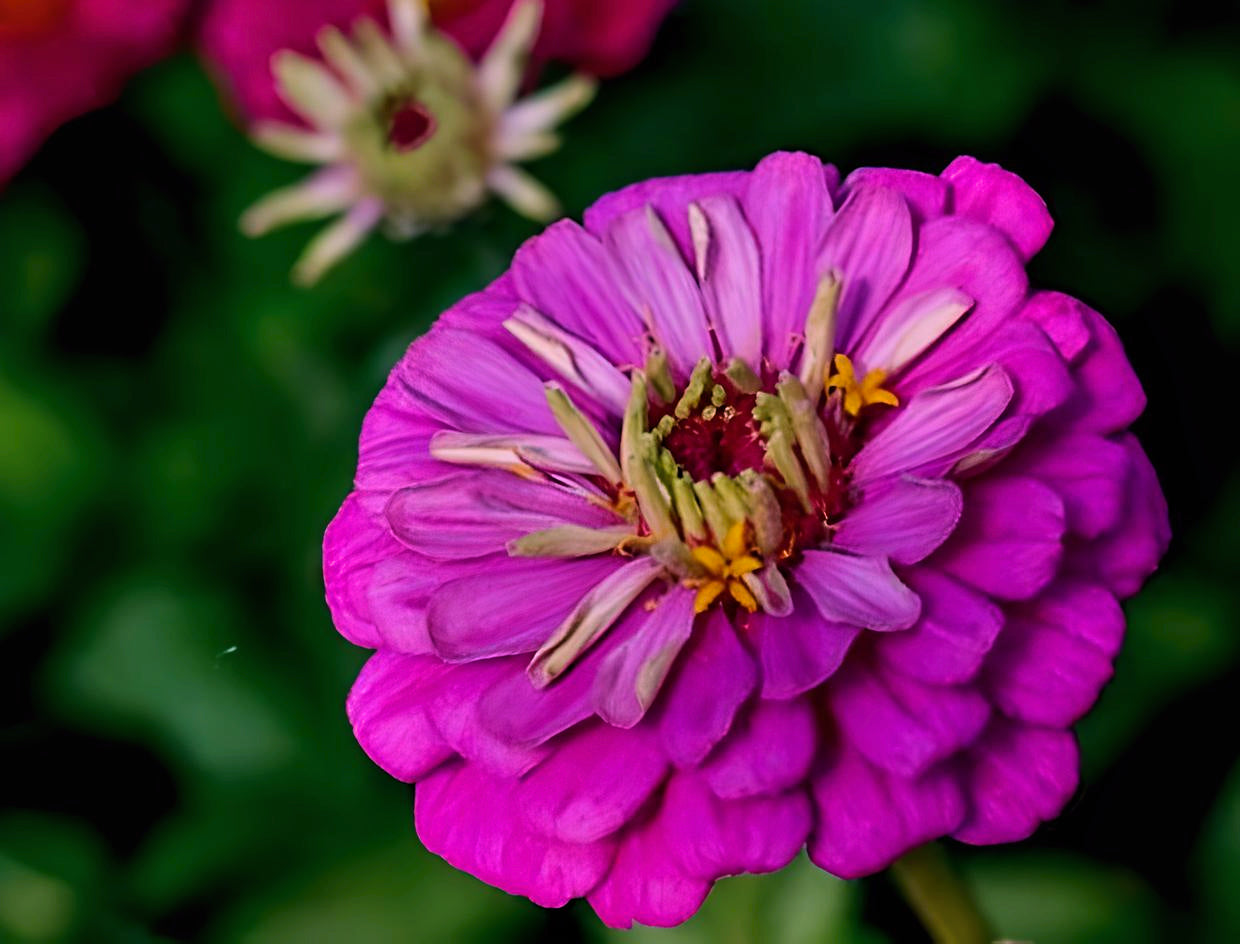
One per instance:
(179,423)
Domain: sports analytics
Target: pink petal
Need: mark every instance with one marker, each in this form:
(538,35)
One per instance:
(352,546)
(713,677)
(670,197)
(731,277)
(1109,395)
(947,644)
(494,613)
(1088,472)
(569,276)
(1125,556)
(1016,777)
(711,837)
(645,883)
(798,651)
(1063,319)
(470,818)
(866,818)
(1055,654)
(769,750)
(594,781)
(926,194)
(936,426)
(387,709)
(788,206)
(1009,540)
(452,704)
(988,193)
(870,243)
(660,287)
(431,376)
(904,521)
(977,260)
(903,725)
(477,513)
(857,591)
(633,672)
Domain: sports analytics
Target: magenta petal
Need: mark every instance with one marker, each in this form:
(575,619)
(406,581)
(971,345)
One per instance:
(905,521)
(866,818)
(800,650)
(595,779)
(1088,472)
(1063,319)
(470,818)
(870,244)
(732,279)
(670,197)
(477,513)
(1009,541)
(352,545)
(1016,777)
(633,672)
(569,276)
(494,613)
(903,725)
(936,426)
(645,883)
(988,193)
(857,591)
(713,677)
(1055,654)
(947,645)
(1125,556)
(452,704)
(431,377)
(387,709)
(1109,396)
(661,287)
(925,193)
(978,260)
(711,837)
(789,208)
(768,751)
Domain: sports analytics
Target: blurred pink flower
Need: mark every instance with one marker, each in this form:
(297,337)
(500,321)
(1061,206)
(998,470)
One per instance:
(239,37)
(60,58)
(761,512)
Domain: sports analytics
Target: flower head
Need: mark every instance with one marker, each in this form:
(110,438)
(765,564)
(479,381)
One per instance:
(763,511)
(60,58)
(409,132)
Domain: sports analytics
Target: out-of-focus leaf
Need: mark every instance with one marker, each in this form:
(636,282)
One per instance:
(393,893)
(1217,865)
(49,465)
(41,255)
(157,657)
(50,871)
(1181,633)
(1059,899)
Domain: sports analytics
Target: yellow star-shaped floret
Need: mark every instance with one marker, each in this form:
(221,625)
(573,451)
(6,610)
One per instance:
(859,394)
(725,566)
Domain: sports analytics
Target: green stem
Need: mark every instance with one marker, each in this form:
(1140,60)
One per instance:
(941,900)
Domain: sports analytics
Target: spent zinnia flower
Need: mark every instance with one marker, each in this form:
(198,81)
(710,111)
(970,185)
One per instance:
(409,132)
(61,58)
(239,37)
(764,511)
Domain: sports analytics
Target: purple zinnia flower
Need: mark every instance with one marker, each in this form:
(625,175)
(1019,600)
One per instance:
(763,511)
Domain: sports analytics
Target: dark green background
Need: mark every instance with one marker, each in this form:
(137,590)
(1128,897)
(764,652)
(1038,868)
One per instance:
(178,424)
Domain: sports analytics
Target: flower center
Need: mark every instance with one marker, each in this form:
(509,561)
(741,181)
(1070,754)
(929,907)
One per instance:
(411,126)
(720,435)
(22,19)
